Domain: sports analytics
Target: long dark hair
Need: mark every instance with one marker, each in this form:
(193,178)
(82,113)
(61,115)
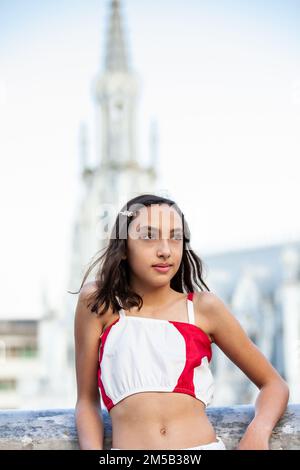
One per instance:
(112,276)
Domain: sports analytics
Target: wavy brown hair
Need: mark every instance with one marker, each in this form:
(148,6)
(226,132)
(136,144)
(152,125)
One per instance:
(112,276)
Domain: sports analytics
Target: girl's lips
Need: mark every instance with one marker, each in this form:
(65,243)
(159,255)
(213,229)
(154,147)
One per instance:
(162,269)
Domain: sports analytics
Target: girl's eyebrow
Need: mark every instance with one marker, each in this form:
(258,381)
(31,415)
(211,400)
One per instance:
(154,229)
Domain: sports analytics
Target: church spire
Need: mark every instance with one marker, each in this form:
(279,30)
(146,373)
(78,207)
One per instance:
(116,54)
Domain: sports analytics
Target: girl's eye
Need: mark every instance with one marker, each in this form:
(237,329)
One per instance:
(152,237)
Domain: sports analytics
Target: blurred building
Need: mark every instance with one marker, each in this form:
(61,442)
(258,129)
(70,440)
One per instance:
(33,361)
(19,362)
(261,287)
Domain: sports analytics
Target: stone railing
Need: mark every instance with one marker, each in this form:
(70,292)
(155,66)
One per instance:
(56,428)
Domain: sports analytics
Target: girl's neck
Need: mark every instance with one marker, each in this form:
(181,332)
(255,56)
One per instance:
(158,297)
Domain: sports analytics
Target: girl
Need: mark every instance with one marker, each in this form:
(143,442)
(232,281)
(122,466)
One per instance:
(143,335)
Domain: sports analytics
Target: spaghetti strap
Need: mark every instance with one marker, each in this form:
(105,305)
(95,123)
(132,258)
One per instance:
(190,306)
(122,313)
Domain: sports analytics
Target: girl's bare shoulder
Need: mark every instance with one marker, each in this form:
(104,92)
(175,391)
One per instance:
(203,305)
(85,297)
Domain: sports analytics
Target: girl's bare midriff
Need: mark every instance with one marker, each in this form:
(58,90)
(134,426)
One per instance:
(160,420)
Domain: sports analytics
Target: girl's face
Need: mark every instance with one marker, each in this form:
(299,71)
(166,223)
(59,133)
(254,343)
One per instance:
(155,236)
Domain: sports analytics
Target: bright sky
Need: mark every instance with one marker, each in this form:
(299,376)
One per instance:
(222,79)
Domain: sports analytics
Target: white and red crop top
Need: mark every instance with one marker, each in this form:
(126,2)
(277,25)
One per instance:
(139,354)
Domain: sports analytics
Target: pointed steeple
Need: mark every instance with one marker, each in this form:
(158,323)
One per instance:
(116,54)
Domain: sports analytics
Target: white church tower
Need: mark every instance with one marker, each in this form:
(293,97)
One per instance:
(118,174)
(117,92)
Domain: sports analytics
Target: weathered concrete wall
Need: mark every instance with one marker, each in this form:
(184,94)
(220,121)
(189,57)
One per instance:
(55,429)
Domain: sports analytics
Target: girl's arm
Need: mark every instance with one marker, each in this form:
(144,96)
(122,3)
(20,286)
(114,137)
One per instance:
(88,414)
(273,396)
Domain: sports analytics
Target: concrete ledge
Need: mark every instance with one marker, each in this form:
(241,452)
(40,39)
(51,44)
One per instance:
(55,428)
